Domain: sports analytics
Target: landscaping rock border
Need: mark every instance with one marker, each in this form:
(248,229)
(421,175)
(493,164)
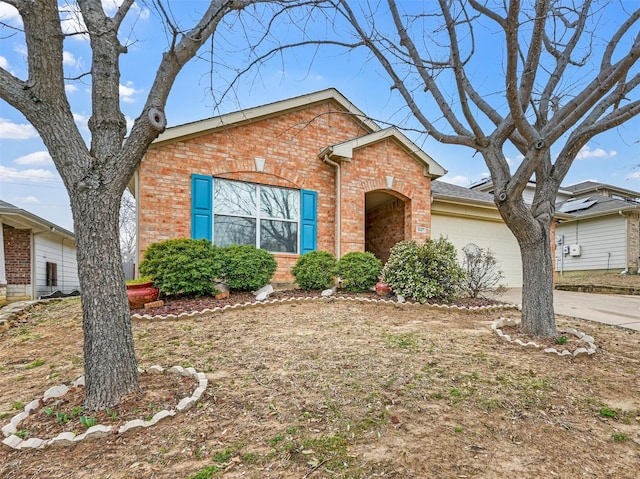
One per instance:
(588,351)
(326,299)
(97,431)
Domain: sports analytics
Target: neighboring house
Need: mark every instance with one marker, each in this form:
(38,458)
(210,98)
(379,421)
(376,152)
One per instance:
(466,216)
(600,231)
(36,257)
(308,173)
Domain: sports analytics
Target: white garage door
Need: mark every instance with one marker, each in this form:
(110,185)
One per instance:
(485,234)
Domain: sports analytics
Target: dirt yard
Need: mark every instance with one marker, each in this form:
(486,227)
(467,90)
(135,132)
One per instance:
(341,390)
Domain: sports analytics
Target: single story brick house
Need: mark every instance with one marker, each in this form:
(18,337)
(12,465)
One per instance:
(36,257)
(303,174)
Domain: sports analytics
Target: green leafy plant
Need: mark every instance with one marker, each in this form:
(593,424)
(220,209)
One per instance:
(481,273)
(315,270)
(424,272)
(22,434)
(183,266)
(17,405)
(88,421)
(358,271)
(62,418)
(206,472)
(111,413)
(247,268)
(35,364)
(620,437)
(561,340)
(48,411)
(608,412)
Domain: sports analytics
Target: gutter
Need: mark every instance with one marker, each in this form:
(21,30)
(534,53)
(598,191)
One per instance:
(338,220)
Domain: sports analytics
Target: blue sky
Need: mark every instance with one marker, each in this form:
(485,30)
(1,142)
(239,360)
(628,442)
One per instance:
(29,180)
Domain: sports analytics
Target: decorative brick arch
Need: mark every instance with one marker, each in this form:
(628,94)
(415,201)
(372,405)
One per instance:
(246,170)
(387,221)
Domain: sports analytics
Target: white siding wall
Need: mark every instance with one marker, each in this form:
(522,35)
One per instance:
(53,249)
(603,244)
(486,234)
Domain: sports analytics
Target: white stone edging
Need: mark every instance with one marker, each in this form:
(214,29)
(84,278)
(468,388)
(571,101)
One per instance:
(589,350)
(69,438)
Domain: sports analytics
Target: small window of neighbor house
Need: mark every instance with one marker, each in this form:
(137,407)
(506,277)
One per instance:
(265,216)
(52,274)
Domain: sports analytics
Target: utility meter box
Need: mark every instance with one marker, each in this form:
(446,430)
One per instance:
(565,249)
(574,250)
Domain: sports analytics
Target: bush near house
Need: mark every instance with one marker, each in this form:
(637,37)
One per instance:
(424,272)
(315,270)
(247,268)
(358,271)
(183,266)
(481,273)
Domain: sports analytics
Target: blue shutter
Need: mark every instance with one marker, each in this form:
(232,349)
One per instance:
(201,206)
(308,221)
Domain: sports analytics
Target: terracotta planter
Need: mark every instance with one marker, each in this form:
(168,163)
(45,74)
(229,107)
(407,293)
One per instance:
(139,294)
(382,289)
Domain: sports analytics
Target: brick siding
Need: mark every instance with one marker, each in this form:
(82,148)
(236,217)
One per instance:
(290,143)
(17,255)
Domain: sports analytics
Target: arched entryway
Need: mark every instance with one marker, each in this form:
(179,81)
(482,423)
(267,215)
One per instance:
(385,222)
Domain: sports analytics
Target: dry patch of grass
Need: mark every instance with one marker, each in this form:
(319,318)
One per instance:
(345,390)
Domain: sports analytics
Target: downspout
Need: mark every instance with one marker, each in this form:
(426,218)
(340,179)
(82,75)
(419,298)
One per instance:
(338,202)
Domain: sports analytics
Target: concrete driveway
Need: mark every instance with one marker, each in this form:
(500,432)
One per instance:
(617,310)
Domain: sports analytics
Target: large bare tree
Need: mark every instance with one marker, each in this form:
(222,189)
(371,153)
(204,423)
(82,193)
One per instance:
(96,175)
(561,72)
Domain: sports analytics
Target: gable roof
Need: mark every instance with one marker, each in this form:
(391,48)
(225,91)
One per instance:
(586,187)
(18,218)
(344,151)
(599,205)
(200,127)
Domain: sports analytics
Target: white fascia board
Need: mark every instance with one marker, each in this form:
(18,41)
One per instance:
(344,151)
(272,109)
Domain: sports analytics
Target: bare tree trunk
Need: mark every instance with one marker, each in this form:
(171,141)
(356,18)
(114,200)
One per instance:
(110,365)
(538,317)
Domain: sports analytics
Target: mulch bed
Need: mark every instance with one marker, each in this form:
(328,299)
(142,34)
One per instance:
(177,305)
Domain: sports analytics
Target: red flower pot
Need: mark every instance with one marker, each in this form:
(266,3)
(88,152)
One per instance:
(139,294)
(382,289)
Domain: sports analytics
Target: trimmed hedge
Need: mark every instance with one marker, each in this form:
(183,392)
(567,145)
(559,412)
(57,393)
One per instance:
(315,270)
(358,271)
(183,266)
(247,268)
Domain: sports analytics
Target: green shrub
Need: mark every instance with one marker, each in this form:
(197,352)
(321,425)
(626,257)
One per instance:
(314,270)
(358,271)
(424,272)
(183,266)
(247,268)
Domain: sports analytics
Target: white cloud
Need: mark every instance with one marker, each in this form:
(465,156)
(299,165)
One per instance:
(69,88)
(72,22)
(81,120)
(36,158)
(69,59)
(127,92)
(4,63)
(129,122)
(9,14)
(633,176)
(27,199)
(16,131)
(586,152)
(459,180)
(35,175)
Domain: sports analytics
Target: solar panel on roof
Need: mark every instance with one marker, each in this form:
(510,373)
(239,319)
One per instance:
(577,205)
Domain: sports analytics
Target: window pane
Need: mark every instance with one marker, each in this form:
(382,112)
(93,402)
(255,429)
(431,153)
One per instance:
(279,236)
(228,230)
(279,203)
(234,198)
